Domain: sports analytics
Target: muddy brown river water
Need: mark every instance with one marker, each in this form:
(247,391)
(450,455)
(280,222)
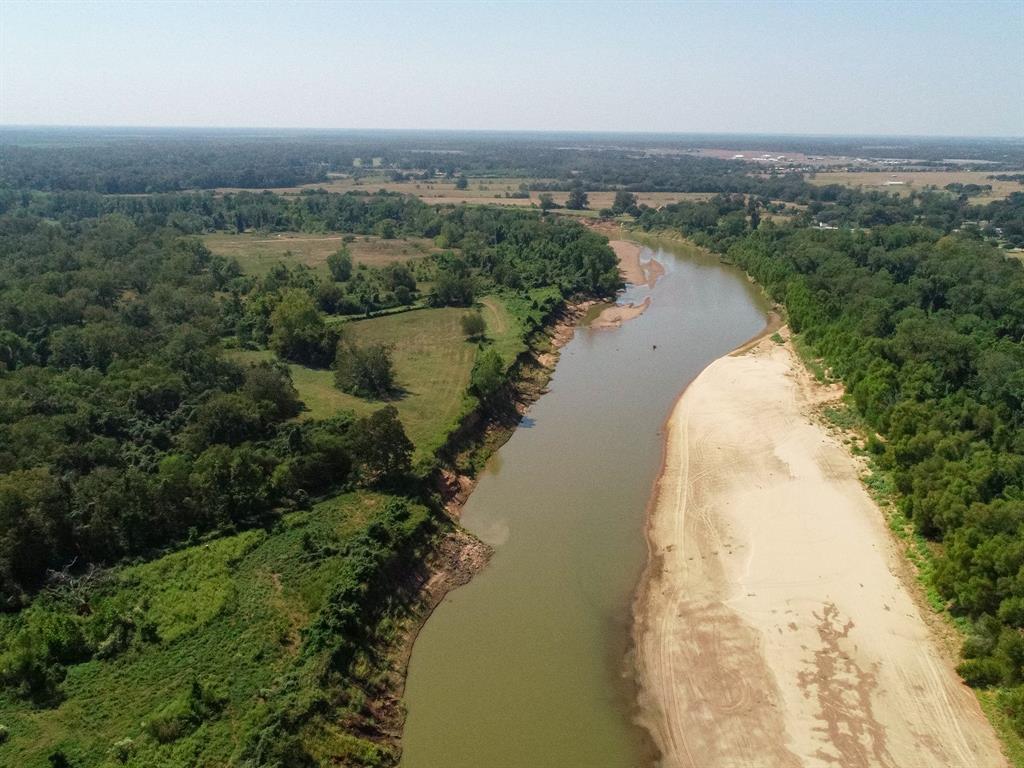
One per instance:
(526,666)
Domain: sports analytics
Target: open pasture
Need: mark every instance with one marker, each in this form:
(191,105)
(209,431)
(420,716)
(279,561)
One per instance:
(258,252)
(905,181)
(480,191)
(432,361)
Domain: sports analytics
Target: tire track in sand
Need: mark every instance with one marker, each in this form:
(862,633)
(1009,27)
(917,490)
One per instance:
(804,651)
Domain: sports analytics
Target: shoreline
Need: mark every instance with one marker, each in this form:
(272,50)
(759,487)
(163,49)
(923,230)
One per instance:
(459,555)
(726,654)
(456,555)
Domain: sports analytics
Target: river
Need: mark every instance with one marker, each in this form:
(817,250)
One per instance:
(526,667)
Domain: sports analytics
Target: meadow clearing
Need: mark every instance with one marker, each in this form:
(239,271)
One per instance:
(481,191)
(257,252)
(917,181)
(432,359)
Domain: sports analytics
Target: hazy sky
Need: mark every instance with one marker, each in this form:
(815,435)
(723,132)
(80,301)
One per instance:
(798,67)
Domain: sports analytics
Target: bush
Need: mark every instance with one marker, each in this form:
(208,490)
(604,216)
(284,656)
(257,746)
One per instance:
(364,371)
(473,325)
(185,714)
(1011,701)
(981,673)
(123,750)
(488,374)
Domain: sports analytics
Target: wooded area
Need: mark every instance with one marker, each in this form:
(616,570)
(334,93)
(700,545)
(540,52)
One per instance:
(133,429)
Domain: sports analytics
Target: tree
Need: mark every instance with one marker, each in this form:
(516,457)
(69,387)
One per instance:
(366,371)
(488,374)
(14,351)
(270,386)
(385,229)
(577,200)
(461,182)
(340,264)
(625,202)
(380,447)
(224,418)
(473,325)
(755,216)
(299,332)
(547,202)
(453,288)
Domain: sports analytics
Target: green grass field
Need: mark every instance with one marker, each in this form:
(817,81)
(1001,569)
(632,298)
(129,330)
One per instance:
(433,361)
(228,614)
(258,252)
(481,191)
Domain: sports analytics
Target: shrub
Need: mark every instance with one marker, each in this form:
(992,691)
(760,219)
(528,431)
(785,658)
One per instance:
(473,325)
(123,750)
(488,374)
(981,673)
(364,371)
(185,714)
(1011,701)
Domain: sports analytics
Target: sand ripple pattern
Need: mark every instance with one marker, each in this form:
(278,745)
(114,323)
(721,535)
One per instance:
(772,629)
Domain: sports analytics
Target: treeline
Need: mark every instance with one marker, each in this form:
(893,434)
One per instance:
(128,164)
(134,161)
(381,213)
(719,221)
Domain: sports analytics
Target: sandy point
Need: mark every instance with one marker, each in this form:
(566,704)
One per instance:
(771,629)
(631,268)
(635,272)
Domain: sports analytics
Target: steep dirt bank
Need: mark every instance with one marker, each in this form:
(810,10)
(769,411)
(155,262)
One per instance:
(455,558)
(772,629)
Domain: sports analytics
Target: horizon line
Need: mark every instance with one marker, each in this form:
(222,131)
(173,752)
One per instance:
(551,131)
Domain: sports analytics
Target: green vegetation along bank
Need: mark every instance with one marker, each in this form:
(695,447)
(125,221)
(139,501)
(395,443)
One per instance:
(201,562)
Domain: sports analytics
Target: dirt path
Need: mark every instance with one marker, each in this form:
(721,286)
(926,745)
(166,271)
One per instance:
(772,629)
(497,319)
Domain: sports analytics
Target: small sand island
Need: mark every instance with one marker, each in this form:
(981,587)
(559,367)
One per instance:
(773,629)
(634,272)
